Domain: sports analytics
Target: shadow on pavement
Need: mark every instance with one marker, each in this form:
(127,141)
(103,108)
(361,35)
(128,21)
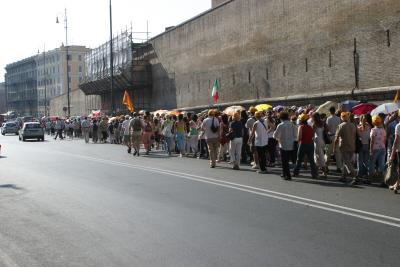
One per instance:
(10,186)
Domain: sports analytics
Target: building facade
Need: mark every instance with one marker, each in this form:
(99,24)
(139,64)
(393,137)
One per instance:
(279,51)
(52,82)
(3,98)
(21,87)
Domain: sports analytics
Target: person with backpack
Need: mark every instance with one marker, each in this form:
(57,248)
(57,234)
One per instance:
(210,126)
(135,127)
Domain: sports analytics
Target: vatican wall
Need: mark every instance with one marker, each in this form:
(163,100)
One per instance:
(265,49)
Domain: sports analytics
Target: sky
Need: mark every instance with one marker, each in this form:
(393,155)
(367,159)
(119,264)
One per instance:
(29,26)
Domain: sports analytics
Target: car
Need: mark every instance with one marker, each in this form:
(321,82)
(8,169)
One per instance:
(9,128)
(31,130)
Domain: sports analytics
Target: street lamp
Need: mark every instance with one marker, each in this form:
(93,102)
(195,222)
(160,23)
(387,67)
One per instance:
(66,46)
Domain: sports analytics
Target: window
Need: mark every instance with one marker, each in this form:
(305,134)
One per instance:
(80,68)
(80,57)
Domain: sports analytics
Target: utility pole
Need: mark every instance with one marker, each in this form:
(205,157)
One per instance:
(111,64)
(45,81)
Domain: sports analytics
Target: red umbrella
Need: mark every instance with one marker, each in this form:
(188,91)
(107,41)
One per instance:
(363,108)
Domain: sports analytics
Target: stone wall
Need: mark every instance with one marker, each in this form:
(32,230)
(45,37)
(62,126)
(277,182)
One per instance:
(80,104)
(276,48)
(215,3)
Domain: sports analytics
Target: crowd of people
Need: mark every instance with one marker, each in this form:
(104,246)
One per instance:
(357,147)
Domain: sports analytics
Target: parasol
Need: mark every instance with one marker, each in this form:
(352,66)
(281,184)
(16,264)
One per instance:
(263,107)
(349,104)
(233,109)
(385,108)
(363,108)
(324,108)
(173,112)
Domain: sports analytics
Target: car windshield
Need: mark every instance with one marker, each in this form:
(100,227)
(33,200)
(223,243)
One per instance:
(32,126)
(10,124)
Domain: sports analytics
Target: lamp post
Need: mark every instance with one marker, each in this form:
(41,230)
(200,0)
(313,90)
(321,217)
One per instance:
(67,59)
(45,81)
(111,64)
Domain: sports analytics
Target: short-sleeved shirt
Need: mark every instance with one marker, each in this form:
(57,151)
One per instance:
(347,133)
(237,128)
(125,127)
(380,138)
(208,133)
(261,134)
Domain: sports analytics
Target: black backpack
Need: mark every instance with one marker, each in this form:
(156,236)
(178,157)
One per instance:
(214,128)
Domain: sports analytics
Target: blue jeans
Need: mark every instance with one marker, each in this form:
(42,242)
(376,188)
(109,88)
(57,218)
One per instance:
(378,158)
(180,140)
(364,161)
(167,141)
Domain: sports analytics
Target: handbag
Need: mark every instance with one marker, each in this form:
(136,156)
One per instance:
(358,144)
(391,175)
(230,135)
(327,139)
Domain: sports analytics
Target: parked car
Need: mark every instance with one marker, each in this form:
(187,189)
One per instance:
(31,130)
(9,128)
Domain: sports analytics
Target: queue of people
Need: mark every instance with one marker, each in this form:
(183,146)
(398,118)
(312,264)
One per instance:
(356,147)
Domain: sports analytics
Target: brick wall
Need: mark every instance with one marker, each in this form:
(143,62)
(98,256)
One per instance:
(274,48)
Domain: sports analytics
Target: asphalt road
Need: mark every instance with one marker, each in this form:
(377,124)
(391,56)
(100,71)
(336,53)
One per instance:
(67,203)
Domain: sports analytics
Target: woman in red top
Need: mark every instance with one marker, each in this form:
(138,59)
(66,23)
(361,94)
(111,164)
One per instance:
(306,146)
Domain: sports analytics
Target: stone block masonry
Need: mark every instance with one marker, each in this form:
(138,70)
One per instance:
(276,48)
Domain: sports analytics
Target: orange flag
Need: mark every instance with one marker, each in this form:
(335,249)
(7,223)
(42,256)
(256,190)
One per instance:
(128,102)
(397,97)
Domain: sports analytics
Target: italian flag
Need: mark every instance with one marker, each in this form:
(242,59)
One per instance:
(215,90)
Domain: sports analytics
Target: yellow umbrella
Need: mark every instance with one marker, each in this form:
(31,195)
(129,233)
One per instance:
(233,109)
(263,107)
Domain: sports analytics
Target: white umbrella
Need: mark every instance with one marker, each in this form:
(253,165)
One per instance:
(385,108)
(324,108)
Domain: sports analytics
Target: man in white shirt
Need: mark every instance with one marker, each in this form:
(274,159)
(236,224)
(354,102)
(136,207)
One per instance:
(286,135)
(333,122)
(85,124)
(210,127)
(126,133)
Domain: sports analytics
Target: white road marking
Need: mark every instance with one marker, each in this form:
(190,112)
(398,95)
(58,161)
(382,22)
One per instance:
(5,260)
(379,218)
